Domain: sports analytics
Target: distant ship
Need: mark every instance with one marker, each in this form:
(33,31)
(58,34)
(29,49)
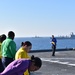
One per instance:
(72,36)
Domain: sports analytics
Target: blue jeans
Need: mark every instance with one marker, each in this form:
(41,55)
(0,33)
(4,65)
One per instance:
(6,61)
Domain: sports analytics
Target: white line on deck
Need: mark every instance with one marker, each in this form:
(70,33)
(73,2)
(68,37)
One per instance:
(62,58)
(57,61)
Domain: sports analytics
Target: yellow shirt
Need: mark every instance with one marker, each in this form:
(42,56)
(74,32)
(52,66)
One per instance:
(21,53)
(0,52)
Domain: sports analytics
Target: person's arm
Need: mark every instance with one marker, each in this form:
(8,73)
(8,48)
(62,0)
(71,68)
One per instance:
(56,40)
(12,48)
(26,72)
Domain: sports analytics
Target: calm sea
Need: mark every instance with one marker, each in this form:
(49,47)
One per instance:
(45,43)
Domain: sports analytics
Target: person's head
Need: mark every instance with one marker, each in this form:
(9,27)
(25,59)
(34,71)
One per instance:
(26,45)
(2,38)
(52,36)
(36,63)
(11,34)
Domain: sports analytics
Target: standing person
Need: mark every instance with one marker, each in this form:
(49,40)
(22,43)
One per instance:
(23,52)
(18,67)
(8,49)
(54,41)
(2,38)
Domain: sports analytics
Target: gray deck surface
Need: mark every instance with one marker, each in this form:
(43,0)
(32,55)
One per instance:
(63,63)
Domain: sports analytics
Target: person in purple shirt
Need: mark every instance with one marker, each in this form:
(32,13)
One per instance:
(18,67)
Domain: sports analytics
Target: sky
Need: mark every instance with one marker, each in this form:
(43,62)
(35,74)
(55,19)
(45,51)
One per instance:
(29,18)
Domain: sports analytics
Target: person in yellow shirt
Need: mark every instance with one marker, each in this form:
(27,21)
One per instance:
(2,38)
(23,52)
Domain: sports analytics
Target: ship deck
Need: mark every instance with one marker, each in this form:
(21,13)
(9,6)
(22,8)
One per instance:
(63,63)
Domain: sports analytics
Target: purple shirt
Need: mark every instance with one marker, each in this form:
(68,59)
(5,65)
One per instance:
(17,67)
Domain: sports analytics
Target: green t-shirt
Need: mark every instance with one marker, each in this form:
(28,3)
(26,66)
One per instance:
(8,48)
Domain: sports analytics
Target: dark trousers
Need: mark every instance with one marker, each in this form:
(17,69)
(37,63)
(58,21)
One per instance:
(53,50)
(1,66)
(6,61)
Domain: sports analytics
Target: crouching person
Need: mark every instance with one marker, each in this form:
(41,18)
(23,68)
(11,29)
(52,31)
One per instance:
(18,67)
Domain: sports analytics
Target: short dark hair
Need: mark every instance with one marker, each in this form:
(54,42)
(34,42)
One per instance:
(26,43)
(37,61)
(11,34)
(2,37)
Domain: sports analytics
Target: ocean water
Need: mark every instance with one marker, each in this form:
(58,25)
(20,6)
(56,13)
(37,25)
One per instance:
(42,43)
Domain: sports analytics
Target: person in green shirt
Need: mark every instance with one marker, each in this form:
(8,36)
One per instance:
(2,38)
(8,49)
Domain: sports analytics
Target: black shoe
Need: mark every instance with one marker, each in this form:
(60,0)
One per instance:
(53,55)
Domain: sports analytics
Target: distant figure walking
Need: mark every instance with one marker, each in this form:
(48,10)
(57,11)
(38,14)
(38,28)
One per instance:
(8,49)
(54,41)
